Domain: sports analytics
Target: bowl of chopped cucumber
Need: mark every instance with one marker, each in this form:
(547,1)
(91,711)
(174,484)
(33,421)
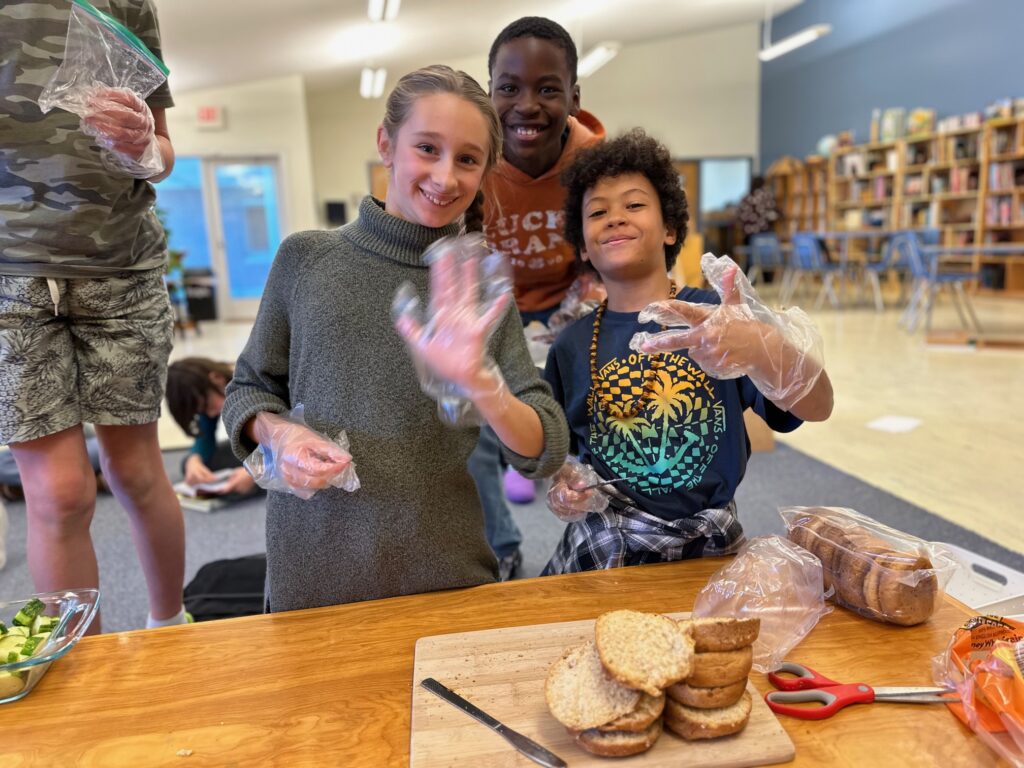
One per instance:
(37,631)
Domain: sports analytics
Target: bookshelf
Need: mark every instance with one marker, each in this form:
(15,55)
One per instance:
(801,193)
(784,178)
(967,183)
(1000,211)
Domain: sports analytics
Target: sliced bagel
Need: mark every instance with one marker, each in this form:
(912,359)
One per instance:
(716,668)
(619,743)
(648,709)
(692,723)
(722,633)
(581,694)
(714,697)
(646,651)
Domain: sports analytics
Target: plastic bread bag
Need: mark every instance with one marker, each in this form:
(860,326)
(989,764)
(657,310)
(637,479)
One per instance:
(773,580)
(475,294)
(571,496)
(877,571)
(781,351)
(304,446)
(105,77)
(983,663)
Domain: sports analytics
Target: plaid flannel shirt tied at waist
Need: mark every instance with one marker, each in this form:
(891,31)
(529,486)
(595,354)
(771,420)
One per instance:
(626,535)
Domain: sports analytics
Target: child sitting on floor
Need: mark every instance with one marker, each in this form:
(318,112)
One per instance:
(662,415)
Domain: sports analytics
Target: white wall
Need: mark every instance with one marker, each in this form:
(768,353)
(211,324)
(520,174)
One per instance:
(697,93)
(266,118)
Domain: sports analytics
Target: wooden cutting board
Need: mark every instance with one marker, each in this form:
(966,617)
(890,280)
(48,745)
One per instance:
(503,671)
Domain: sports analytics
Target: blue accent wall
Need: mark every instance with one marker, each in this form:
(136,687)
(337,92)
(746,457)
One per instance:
(953,56)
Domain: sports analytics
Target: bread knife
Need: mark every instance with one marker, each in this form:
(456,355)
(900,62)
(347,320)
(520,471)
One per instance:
(526,746)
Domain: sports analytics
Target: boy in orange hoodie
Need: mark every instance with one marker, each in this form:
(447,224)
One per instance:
(532,66)
(533,84)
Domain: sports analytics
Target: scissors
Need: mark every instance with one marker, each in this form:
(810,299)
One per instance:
(810,686)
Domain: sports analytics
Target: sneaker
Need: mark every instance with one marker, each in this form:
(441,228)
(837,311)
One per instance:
(518,489)
(11,492)
(508,565)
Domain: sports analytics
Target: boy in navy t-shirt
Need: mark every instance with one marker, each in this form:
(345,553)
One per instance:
(673,433)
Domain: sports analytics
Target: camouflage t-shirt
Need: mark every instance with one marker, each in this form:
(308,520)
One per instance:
(62,213)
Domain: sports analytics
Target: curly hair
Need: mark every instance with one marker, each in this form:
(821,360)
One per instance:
(632,152)
(542,29)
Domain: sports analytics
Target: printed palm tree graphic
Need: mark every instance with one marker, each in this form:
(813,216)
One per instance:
(670,400)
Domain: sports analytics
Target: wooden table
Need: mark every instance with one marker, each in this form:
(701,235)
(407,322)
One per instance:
(332,686)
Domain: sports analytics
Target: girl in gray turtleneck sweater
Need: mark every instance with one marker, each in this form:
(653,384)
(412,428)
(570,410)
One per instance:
(324,337)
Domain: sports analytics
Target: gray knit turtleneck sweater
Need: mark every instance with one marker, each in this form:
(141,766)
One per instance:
(324,338)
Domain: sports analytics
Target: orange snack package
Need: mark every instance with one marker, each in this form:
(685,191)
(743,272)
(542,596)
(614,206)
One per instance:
(983,662)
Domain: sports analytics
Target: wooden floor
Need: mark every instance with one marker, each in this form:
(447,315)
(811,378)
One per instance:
(961,462)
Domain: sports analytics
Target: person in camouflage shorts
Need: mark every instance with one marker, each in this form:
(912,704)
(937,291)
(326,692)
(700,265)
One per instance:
(85,321)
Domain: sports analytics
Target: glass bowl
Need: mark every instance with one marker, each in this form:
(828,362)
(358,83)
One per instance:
(76,610)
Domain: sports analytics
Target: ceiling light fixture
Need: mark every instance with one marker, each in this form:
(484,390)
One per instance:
(371,82)
(793,42)
(383,10)
(771,51)
(597,57)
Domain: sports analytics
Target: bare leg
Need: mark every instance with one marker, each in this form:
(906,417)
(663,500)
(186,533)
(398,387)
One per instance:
(60,497)
(133,466)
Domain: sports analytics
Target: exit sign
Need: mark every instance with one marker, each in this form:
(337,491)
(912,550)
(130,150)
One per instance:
(210,117)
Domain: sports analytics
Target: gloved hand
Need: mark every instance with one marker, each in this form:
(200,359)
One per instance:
(564,497)
(781,352)
(295,459)
(469,292)
(122,123)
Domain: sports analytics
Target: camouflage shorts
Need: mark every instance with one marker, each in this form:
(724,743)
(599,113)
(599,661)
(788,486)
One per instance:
(89,350)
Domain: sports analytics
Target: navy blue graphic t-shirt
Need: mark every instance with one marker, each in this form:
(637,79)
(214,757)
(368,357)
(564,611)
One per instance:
(687,450)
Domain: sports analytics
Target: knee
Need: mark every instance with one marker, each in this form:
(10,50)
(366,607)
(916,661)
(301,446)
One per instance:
(64,501)
(133,476)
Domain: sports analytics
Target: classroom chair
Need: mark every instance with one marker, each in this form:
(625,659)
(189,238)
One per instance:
(928,279)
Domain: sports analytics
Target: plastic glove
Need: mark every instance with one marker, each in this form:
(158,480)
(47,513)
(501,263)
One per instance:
(122,123)
(781,352)
(295,459)
(470,289)
(566,500)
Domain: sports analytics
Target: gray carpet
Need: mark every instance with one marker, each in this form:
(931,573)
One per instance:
(778,478)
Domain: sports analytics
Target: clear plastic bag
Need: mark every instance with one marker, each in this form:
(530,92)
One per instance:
(266,467)
(581,299)
(983,663)
(482,287)
(773,580)
(877,571)
(780,351)
(103,63)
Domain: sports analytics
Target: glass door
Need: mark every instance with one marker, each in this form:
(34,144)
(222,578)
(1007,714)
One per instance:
(245,216)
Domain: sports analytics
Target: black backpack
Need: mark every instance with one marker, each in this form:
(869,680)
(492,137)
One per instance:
(225,589)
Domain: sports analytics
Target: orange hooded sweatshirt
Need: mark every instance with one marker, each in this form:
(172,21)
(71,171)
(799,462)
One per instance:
(524,218)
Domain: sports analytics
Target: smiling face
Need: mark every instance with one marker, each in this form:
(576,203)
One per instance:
(532,89)
(437,160)
(624,233)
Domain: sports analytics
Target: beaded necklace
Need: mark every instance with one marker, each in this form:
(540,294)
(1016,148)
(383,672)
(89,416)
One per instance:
(599,390)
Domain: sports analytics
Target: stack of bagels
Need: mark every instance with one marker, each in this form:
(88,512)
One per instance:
(643,672)
(713,700)
(881,579)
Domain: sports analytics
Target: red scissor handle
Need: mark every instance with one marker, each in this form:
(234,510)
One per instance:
(805,678)
(832,699)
